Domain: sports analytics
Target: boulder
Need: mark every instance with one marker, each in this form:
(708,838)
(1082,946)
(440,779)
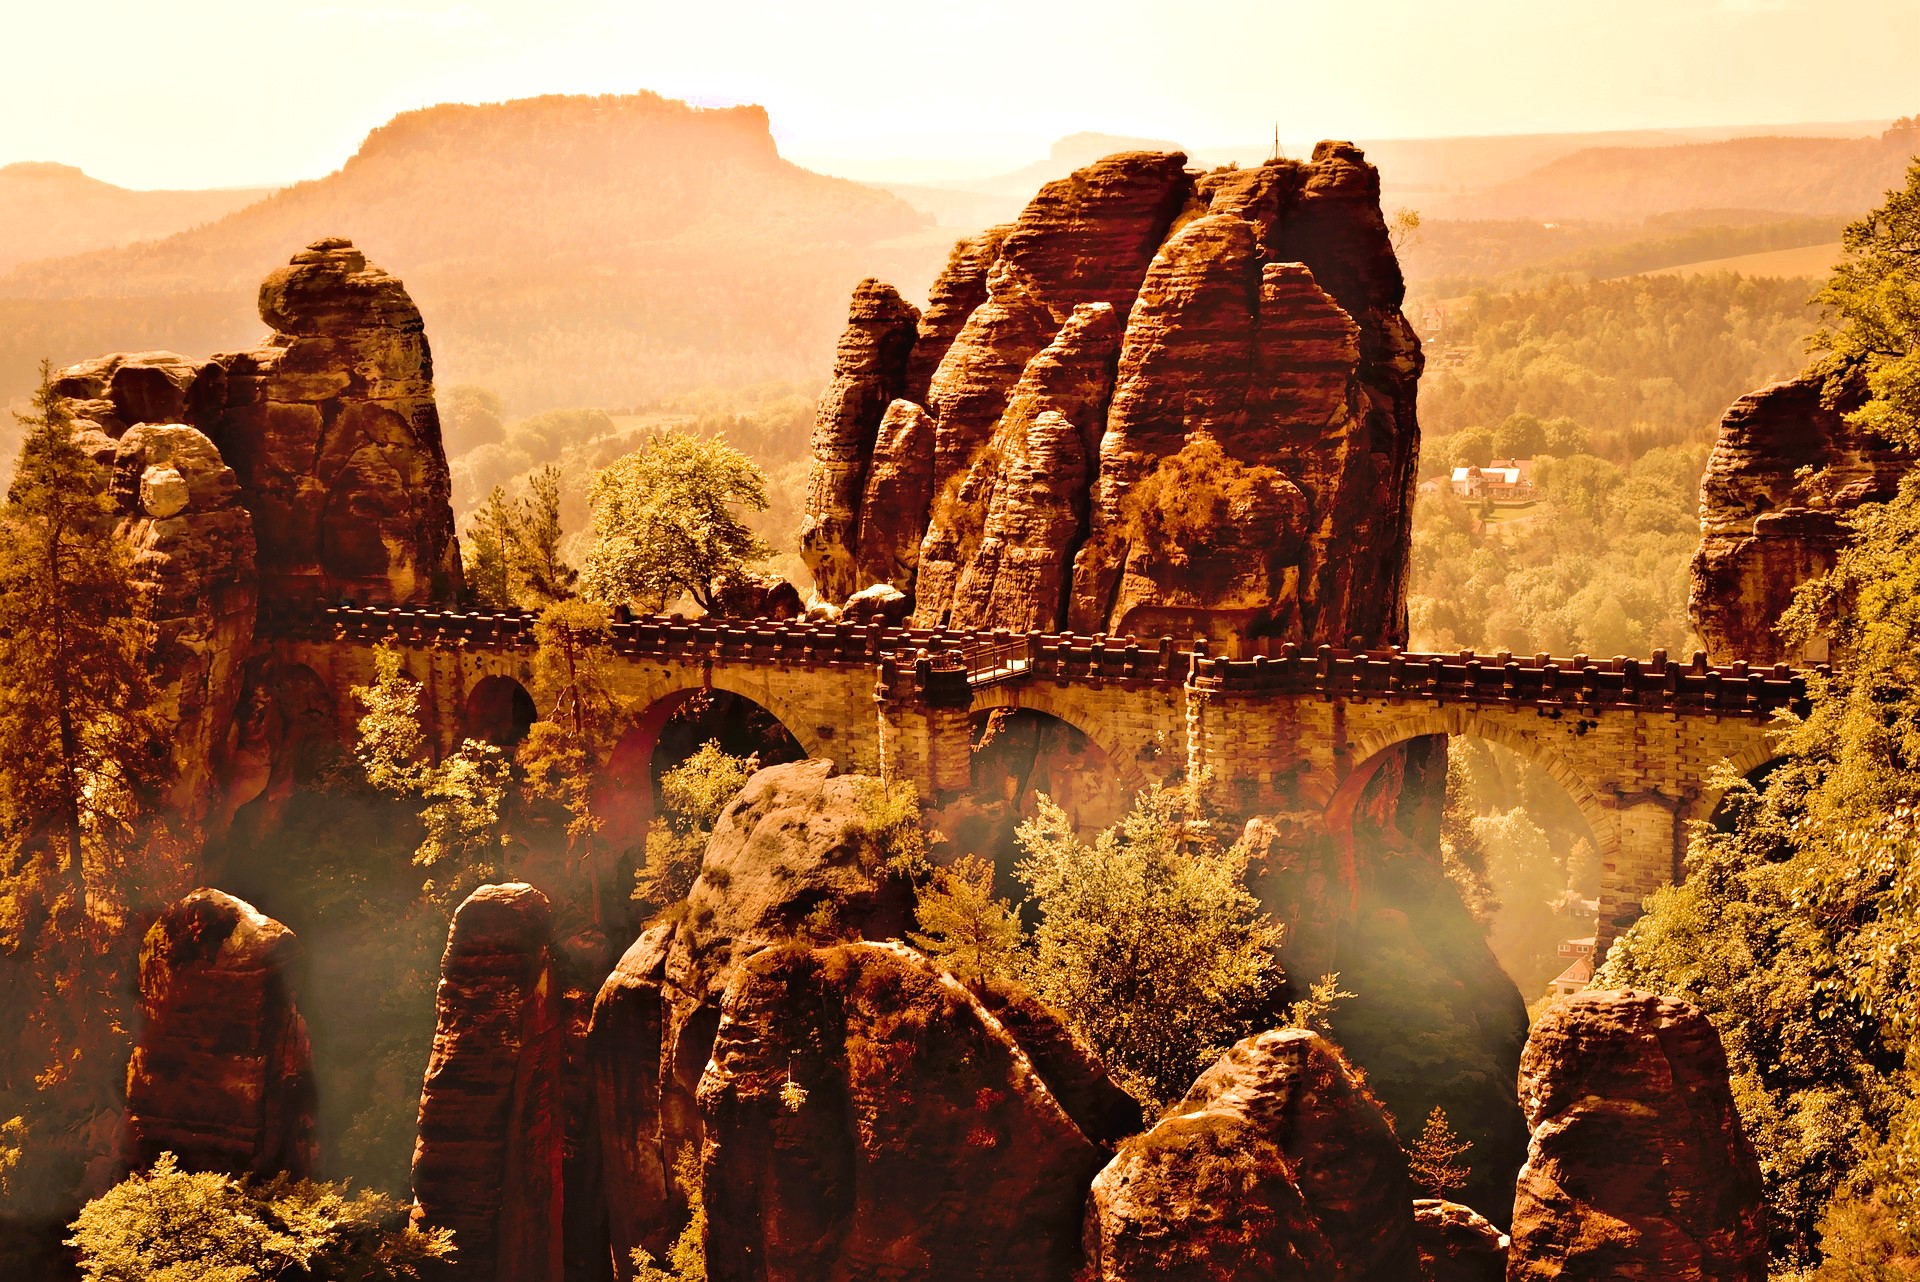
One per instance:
(1278,1163)
(222,1072)
(792,855)
(487,1163)
(869,373)
(1638,1167)
(1786,471)
(751,594)
(1457,1243)
(868,1117)
(878,601)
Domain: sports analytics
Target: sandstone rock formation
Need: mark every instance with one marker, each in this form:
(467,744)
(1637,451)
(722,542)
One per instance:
(193,562)
(1638,1166)
(222,1073)
(926,1144)
(330,426)
(487,1163)
(869,372)
(1764,527)
(1177,402)
(1277,1164)
(1457,1243)
(302,472)
(791,855)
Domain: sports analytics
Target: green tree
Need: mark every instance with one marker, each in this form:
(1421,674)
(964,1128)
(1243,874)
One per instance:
(692,795)
(462,797)
(1872,318)
(512,546)
(1148,940)
(564,752)
(1433,1160)
(80,739)
(963,926)
(170,1225)
(666,521)
(1521,436)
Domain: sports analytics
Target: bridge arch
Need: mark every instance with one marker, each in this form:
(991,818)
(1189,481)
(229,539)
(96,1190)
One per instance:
(1368,752)
(1130,771)
(499,711)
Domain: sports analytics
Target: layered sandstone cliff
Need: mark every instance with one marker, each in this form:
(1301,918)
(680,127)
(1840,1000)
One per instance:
(1786,472)
(305,471)
(1177,402)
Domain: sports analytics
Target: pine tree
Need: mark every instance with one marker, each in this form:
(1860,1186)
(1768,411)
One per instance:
(80,742)
(1433,1160)
(963,926)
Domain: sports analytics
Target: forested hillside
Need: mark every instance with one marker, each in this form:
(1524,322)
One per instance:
(48,210)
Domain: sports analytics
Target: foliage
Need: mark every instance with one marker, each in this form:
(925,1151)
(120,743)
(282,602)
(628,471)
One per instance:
(963,926)
(169,1225)
(897,840)
(1433,1160)
(1315,1011)
(687,1257)
(512,546)
(1148,940)
(1871,308)
(1797,928)
(692,794)
(1189,498)
(665,521)
(462,796)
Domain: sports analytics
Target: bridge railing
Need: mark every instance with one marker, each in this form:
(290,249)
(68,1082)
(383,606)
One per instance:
(1542,681)
(999,656)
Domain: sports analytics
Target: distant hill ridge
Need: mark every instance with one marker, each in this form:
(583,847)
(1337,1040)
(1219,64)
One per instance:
(564,250)
(49,209)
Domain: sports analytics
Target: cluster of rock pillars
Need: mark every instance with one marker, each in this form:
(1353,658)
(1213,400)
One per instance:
(1161,401)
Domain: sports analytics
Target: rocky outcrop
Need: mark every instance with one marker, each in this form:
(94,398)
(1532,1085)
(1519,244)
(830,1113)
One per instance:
(329,425)
(222,1072)
(893,505)
(869,373)
(1278,1163)
(1638,1166)
(868,1117)
(487,1163)
(1786,472)
(1457,1243)
(193,564)
(1245,472)
(792,856)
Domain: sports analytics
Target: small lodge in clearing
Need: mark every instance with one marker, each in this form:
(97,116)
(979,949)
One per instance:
(1504,480)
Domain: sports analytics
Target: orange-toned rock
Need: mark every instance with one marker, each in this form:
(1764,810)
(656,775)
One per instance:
(920,1142)
(1457,1243)
(869,372)
(960,287)
(1765,526)
(222,1071)
(1638,1166)
(1278,1163)
(487,1163)
(893,507)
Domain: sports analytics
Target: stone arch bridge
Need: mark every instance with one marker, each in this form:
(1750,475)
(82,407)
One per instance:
(1297,734)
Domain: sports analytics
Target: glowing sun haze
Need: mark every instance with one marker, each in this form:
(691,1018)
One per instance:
(242,92)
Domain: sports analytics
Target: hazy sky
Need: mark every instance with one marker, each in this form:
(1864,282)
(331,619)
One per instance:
(237,92)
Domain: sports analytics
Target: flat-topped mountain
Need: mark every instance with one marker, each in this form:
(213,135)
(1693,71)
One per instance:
(565,249)
(48,210)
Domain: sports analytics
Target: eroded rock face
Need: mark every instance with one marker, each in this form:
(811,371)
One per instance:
(222,1071)
(1180,404)
(331,425)
(487,1163)
(927,1143)
(193,562)
(869,373)
(1277,1164)
(1638,1166)
(1457,1243)
(791,855)
(1764,528)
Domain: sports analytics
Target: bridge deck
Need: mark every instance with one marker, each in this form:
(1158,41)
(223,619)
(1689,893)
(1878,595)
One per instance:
(1656,683)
